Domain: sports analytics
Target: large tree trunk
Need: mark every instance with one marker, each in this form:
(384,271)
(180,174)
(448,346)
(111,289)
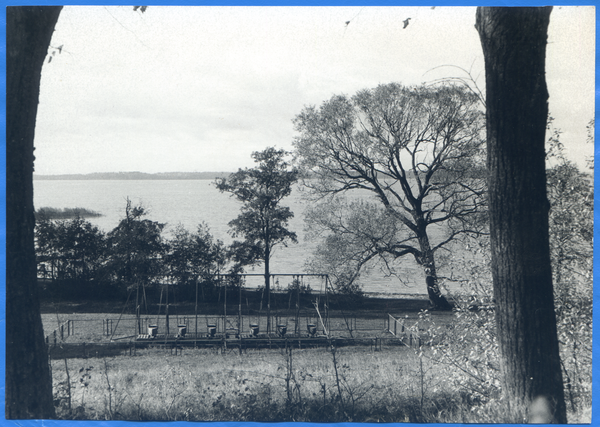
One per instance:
(28,381)
(514,47)
(427,261)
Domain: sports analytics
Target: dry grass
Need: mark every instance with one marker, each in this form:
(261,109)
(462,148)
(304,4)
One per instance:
(258,385)
(395,384)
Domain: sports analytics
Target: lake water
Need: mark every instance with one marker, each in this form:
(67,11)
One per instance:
(190,202)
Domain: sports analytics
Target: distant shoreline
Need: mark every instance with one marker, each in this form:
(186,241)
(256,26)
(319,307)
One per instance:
(134,176)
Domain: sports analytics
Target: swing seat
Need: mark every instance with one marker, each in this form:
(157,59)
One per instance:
(212,330)
(281,330)
(182,330)
(152,330)
(312,329)
(254,330)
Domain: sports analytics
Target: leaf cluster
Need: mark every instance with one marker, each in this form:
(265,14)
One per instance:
(263,221)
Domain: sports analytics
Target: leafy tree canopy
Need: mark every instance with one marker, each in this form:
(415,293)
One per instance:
(262,221)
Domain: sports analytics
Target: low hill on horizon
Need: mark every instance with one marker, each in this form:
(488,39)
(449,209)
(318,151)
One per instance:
(134,176)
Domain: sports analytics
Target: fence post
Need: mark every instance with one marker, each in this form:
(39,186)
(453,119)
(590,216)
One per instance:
(54,336)
(62,332)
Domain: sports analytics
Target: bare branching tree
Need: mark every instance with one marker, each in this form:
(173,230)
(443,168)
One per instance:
(418,151)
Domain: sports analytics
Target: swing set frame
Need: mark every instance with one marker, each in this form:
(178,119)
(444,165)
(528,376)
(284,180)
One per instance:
(224,318)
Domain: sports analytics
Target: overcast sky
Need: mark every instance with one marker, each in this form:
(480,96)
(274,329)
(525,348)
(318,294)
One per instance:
(200,88)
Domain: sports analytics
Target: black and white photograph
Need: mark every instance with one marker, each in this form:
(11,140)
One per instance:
(314,214)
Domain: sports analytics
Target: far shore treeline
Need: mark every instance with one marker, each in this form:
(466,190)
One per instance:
(134,176)
(474,172)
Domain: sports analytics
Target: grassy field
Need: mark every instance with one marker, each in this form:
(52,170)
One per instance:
(389,383)
(322,384)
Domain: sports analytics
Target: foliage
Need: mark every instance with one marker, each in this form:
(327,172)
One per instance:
(262,222)
(136,247)
(83,262)
(414,150)
(70,249)
(467,349)
(343,253)
(193,257)
(298,286)
(71,254)
(571,221)
(47,213)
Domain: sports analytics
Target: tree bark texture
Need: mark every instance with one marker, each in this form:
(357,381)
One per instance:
(427,261)
(514,46)
(28,381)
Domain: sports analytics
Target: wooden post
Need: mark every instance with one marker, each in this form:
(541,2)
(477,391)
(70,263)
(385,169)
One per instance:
(137,308)
(225,310)
(167,313)
(297,328)
(327,304)
(196,314)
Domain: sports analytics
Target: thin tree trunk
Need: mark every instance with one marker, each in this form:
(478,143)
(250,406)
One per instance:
(28,380)
(514,46)
(268,285)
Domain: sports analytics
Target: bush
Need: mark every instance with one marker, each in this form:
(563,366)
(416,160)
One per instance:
(348,293)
